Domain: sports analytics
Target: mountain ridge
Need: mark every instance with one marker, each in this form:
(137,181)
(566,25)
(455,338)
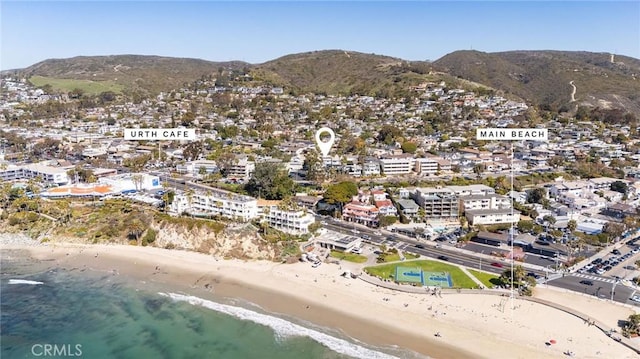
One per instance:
(541,77)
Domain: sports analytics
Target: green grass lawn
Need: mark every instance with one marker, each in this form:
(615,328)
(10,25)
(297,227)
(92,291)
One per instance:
(460,279)
(393,257)
(88,86)
(484,277)
(351,257)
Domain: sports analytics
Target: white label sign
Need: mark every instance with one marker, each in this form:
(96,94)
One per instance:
(159,134)
(512,134)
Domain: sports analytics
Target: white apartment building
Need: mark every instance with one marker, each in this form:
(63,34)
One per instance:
(371,168)
(574,188)
(49,174)
(438,203)
(472,190)
(289,221)
(193,167)
(397,165)
(492,201)
(216,202)
(426,166)
(492,216)
(242,168)
(603,183)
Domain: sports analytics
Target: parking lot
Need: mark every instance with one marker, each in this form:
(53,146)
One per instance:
(619,263)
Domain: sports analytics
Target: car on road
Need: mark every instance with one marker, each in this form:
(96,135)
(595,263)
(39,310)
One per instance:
(586,282)
(366,237)
(323,223)
(421,246)
(635,298)
(496,264)
(443,258)
(377,233)
(535,276)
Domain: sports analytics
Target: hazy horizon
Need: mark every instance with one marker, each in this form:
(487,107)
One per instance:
(256,32)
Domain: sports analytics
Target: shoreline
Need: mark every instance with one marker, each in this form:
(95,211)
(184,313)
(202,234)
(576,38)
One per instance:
(472,325)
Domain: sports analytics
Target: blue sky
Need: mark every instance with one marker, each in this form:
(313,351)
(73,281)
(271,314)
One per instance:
(260,31)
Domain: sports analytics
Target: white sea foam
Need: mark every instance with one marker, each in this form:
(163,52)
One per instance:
(23,281)
(284,328)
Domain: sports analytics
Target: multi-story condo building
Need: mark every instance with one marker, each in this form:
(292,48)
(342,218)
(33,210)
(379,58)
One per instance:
(438,203)
(492,216)
(492,201)
(194,167)
(361,213)
(242,168)
(397,164)
(48,174)
(426,166)
(216,202)
(472,190)
(370,168)
(290,221)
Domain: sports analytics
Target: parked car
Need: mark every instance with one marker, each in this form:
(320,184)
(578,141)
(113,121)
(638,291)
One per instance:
(635,298)
(616,252)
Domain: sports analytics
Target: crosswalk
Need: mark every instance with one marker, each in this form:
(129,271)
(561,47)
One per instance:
(592,277)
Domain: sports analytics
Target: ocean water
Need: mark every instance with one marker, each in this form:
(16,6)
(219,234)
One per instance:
(81,313)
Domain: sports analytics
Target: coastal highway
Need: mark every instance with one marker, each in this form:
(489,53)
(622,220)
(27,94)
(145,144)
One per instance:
(600,287)
(430,250)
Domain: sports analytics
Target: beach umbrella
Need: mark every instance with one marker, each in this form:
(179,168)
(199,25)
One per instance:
(552,341)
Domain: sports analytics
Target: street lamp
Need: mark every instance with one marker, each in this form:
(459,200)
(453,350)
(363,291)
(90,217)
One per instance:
(613,289)
(481,254)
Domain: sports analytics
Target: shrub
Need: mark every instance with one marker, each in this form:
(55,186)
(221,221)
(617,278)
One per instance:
(149,237)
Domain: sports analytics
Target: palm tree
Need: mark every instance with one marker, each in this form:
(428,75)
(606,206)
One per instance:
(135,228)
(190,194)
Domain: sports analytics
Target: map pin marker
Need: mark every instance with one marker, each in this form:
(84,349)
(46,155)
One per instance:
(325,146)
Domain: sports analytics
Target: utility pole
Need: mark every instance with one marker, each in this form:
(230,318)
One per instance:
(511,135)
(613,289)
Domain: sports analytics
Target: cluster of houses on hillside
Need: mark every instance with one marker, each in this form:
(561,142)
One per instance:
(266,124)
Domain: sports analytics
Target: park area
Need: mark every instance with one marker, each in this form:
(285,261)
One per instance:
(350,257)
(423,272)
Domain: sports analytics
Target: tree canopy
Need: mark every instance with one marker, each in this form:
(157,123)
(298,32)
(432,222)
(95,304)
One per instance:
(270,181)
(620,186)
(409,147)
(388,134)
(536,195)
(341,192)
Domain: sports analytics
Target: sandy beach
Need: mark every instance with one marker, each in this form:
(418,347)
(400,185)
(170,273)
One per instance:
(471,325)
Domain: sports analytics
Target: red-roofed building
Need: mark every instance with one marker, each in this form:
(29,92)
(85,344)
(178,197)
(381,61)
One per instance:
(386,208)
(361,213)
(379,195)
